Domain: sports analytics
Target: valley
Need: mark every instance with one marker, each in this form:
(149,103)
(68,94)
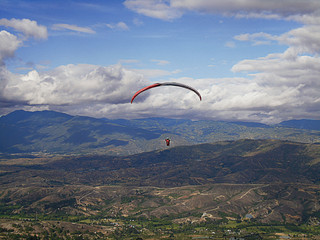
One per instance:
(244,188)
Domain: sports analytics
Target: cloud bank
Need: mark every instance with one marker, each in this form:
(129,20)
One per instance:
(298,10)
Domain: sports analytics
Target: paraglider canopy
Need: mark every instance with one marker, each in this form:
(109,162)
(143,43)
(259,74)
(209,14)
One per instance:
(166,84)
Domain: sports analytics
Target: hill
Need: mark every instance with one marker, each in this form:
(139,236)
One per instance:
(54,132)
(49,131)
(243,161)
(302,124)
(250,175)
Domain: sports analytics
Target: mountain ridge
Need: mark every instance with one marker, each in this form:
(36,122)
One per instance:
(239,162)
(55,132)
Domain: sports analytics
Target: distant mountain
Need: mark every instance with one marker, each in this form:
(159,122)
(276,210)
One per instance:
(252,124)
(54,132)
(49,131)
(302,124)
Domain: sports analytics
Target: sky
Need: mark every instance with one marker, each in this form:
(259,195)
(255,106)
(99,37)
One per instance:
(251,60)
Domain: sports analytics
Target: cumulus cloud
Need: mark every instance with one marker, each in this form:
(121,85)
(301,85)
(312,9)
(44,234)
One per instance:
(288,80)
(9,44)
(278,88)
(63,26)
(66,87)
(28,27)
(305,39)
(73,85)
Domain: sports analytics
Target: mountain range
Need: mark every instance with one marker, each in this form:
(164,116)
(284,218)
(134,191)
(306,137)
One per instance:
(61,167)
(55,132)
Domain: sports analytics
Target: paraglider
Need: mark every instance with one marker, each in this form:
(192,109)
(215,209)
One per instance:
(166,84)
(167,141)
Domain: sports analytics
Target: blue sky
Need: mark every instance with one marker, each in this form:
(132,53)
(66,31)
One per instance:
(251,60)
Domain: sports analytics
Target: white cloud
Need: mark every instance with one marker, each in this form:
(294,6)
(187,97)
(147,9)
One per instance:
(74,28)
(289,80)
(309,19)
(28,27)
(118,26)
(154,8)
(305,39)
(301,40)
(257,8)
(278,88)
(73,85)
(285,7)
(260,38)
(298,10)
(9,44)
(160,62)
